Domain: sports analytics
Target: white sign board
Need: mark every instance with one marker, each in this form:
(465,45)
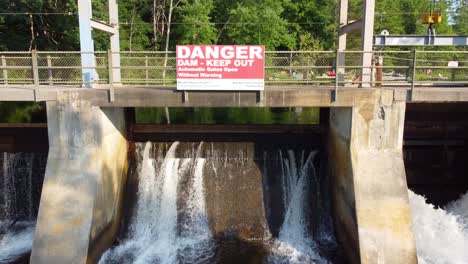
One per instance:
(220,67)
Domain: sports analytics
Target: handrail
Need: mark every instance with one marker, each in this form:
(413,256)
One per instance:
(319,68)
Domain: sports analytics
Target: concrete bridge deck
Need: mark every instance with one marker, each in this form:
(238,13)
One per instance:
(292,78)
(275,96)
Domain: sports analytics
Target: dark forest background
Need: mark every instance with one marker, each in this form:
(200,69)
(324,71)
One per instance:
(158,25)
(279,25)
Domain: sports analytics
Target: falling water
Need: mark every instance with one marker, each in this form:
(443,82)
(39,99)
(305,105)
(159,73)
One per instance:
(169,223)
(295,243)
(20,183)
(15,240)
(441,233)
(155,235)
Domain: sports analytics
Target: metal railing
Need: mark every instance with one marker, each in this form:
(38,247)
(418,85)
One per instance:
(389,68)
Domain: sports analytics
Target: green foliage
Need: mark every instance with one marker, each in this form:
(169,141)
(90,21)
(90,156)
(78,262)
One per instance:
(195,26)
(229,115)
(50,32)
(308,42)
(134,31)
(16,112)
(404,16)
(259,22)
(461,17)
(315,17)
(281,25)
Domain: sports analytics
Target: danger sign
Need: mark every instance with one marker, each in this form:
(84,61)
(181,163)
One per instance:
(220,67)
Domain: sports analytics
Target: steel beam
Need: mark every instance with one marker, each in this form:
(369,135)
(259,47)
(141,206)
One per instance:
(99,25)
(419,40)
(351,26)
(343,20)
(88,61)
(342,36)
(115,40)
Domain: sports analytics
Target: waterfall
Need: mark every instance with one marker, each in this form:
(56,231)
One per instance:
(179,184)
(15,241)
(21,177)
(441,233)
(155,235)
(295,243)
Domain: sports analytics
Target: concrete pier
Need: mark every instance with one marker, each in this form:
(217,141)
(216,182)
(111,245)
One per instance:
(86,171)
(371,207)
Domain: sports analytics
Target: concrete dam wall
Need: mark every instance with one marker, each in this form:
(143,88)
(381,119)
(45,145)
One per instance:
(235,202)
(335,193)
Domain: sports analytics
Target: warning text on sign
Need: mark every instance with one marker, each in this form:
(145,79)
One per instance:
(220,67)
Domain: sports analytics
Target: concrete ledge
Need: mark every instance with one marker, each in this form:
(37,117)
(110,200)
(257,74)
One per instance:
(16,94)
(85,175)
(441,95)
(141,96)
(288,96)
(273,96)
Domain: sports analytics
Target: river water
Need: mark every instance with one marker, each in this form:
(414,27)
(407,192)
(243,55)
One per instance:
(441,233)
(163,229)
(21,178)
(170,222)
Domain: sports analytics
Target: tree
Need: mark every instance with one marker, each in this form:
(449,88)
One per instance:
(194,25)
(168,34)
(134,31)
(316,17)
(57,31)
(159,20)
(389,16)
(259,22)
(461,17)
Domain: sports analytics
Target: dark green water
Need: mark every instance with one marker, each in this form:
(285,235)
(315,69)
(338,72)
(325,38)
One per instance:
(33,112)
(251,115)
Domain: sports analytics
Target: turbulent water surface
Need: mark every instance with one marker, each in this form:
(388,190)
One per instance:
(441,233)
(163,229)
(294,243)
(15,240)
(154,236)
(21,179)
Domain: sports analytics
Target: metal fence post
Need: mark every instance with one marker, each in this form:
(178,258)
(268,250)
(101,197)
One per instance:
(290,64)
(413,79)
(146,70)
(337,63)
(111,75)
(35,69)
(5,70)
(49,69)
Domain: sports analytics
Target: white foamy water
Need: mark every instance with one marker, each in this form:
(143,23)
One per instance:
(294,244)
(16,240)
(441,234)
(154,235)
(459,208)
(17,204)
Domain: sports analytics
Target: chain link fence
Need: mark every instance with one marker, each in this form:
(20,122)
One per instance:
(16,68)
(441,67)
(148,68)
(388,68)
